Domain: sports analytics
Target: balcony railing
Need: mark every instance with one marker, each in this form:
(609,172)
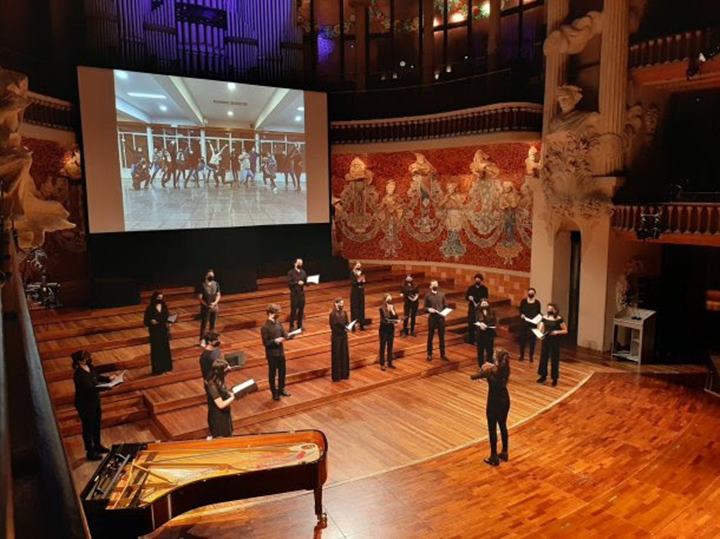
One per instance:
(686,219)
(673,48)
(488,119)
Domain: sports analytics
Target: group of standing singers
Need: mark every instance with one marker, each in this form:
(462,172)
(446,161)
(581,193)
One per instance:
(482,322)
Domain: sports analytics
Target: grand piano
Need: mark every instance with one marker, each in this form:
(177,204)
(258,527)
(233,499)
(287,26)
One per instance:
(140,486)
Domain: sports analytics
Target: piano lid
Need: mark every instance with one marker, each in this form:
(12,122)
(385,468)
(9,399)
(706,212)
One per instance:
(163,467)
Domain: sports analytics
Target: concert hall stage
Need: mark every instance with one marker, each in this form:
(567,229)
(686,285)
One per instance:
(406,446)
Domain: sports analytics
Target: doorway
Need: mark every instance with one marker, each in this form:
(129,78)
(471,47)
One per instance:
(574,291)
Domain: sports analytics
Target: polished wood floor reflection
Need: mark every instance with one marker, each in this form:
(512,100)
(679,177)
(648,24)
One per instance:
(626,455)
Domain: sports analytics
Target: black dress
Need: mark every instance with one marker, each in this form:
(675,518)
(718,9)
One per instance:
(477,292)
(357,299)
(87,403)
(340,348)
(160,356)
(386,331)
(219,421)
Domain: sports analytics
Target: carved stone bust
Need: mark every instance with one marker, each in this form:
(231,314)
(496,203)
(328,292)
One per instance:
(571,119)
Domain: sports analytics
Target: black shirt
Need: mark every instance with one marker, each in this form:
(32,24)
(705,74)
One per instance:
(530,310)
(436,301)
(410,289)
(269,332)
(386,319)
(477,292)
(209,291)
(206,360)
(86,392)
(294,277)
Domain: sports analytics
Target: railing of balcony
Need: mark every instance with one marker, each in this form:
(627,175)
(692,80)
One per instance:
(488,119)
(691,219)
(674,48)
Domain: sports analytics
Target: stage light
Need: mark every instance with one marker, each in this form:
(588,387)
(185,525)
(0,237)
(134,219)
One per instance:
(121,74)
(437,76)
(231,86)
(402,63)
(457,17)
(301,109)
(146,95)
(230,113)
(163,108)
(298,118)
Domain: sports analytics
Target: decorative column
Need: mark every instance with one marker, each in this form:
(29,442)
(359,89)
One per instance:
(494,39)
(150,143)
(360,7)
(613,80)
(428,42)
(555,62)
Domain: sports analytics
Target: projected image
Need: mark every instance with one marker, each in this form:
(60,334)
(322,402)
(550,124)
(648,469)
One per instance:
(197,153)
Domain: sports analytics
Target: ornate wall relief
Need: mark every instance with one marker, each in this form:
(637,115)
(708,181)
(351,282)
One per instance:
(32,215)
(573,148)
(426,206)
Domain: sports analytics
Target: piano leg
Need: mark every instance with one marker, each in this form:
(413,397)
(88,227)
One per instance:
(321,515)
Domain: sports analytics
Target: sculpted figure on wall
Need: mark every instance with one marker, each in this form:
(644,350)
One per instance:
(572,147)
(572,38)
(22,202)
(533,163)
(481,166)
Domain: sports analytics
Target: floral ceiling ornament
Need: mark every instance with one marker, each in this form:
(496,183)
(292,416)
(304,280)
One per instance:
(22,203)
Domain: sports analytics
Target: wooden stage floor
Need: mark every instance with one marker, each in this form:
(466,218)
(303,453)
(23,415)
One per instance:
(626,455)
(406,446)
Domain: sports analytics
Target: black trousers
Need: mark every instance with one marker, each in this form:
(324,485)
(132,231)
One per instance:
(497,414)
(550,351)
(485,346)
(297,308)
(276,374)
(208,317)
(527,338)
(410,309)
(472,328)
(387,338)
(436,322)
(90,419)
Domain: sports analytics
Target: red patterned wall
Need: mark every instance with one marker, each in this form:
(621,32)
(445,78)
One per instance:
(484,220)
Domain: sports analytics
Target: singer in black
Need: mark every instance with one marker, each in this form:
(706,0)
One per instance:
(485,316)
(357,296)
(339,344)
(156,320)
(434,304)
(411,301)
(87,403)
(273,337)
(498,403)
(553,327)
(388,319)
(211,352)
(474,294)
(209,297)
(219,399)
(529,308)
(297,277)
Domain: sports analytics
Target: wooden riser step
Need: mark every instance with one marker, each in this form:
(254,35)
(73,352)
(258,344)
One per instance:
(258,407)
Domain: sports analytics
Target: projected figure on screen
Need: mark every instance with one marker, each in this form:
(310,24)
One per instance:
(214,161)
(294,165)
(245,168)
(269,170)
(157,165)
